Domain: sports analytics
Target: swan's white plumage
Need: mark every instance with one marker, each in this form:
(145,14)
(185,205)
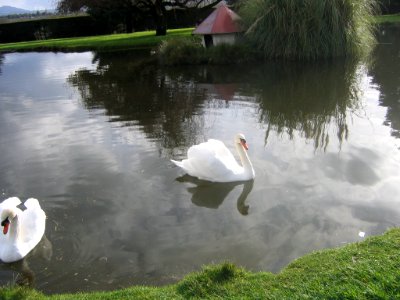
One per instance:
(213,161)
(26,228)
(10,202)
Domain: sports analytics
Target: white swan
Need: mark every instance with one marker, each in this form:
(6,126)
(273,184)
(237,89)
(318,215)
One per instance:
(22,230)
(213,161)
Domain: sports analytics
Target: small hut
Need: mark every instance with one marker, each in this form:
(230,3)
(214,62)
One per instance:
(221,26)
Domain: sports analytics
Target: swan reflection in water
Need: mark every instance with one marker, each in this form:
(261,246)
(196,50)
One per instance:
(21,273)
(212,194)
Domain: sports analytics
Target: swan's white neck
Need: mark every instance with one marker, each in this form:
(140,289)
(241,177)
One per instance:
(14,230)
(244,158)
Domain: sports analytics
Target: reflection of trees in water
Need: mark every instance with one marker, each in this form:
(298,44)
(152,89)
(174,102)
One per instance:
(308,98)
(1,60)
(386,74)
(163,105)
(167,103)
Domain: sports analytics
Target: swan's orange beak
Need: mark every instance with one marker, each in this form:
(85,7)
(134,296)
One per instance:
(5,229)
(244,144)
(5,225)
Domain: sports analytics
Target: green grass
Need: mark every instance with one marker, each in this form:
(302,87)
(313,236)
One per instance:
(388,19)
(101,42)
(365,270)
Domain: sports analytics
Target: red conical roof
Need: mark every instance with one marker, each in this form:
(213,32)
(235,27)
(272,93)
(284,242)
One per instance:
(221,20)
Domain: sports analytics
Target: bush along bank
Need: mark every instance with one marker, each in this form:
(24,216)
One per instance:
(189,51)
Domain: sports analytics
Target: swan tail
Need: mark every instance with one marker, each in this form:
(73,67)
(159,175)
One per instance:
(32,204)
(178,163)
(183,165)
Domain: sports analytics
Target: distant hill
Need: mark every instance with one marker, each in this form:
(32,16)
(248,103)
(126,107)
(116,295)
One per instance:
(10,10)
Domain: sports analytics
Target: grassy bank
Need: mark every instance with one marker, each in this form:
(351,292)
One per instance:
(365,270)
(102,42)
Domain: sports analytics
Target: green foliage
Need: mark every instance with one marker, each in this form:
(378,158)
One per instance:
(190,51)
(310,30)
(179,51)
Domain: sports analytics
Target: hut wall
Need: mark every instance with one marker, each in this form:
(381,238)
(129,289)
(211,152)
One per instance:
(228,38)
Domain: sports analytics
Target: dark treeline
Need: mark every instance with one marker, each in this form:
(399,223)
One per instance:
(85,25)
(389,6)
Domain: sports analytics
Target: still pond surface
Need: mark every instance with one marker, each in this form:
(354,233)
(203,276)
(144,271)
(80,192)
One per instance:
(91,136)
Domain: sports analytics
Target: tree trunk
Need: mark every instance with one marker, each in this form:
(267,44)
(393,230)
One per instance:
(160,19)
(161,29)
(129,17)
(129,22)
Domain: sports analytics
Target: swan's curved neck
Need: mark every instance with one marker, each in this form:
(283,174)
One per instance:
(244,158)
(14,230)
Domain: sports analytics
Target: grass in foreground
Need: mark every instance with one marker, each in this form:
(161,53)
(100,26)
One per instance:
(365,270)
(101,42)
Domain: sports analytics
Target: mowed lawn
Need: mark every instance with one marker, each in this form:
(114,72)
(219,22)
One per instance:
(102,42)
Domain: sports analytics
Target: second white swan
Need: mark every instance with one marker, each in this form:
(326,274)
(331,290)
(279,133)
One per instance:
(213,161)
(22,230)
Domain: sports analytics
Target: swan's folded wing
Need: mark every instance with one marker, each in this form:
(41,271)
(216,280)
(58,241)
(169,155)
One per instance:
(209,161)
(32,204)
(212,148)
(33,220)
(223,153)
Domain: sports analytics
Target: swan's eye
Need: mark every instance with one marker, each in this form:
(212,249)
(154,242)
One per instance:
(243,141)
(5,224)
(6,221)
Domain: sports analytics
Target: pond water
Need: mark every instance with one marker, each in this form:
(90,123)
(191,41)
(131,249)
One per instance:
(91,136)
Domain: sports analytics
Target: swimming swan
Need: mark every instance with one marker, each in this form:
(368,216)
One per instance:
(22,230)
(213,161)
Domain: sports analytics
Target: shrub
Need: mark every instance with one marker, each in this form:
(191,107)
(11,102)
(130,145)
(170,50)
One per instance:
(178,51)
(190,51)
(310,30)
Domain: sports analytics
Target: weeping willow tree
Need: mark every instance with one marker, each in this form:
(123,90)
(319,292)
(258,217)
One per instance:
(309,29)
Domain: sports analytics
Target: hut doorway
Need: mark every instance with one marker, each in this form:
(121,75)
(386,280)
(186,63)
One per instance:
(208,40)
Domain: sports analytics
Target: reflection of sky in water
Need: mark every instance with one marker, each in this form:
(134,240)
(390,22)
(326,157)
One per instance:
(117,215)
(37,71)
